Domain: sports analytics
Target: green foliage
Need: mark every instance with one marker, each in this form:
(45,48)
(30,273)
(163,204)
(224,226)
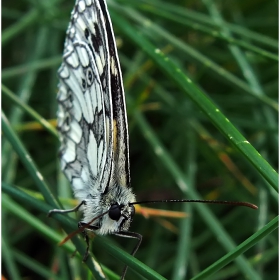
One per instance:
(201,81)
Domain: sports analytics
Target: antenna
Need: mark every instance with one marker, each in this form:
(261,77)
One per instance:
(233,203)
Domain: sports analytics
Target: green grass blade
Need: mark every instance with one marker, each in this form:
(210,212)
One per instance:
(9,260)
(206,105)
(11,73)
(27,161)
(198,22)
(14,30)
(36,223)
(204,60)
(69,225)
(244,246)
(33,265)
(132,262)
(38,178)
(179,178)
(162,166)
(48,232)
(176,13)
(29,110)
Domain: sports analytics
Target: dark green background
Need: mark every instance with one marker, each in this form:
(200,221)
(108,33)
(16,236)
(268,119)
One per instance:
(229,50)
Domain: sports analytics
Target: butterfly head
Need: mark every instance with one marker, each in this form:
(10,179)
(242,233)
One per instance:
(118,218)
(122,214)
(115,209)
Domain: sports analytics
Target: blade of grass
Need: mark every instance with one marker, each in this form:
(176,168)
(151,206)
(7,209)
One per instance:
(265,258)
(37,224)
(40,182)
(176,12)
(197,25)
(205,213)
(184,240)
(29,110)
(200,99)
(132,262)
(14,30)
(27,162)
(241,248)
(30,18)
(9,260)
(66,221)
(254,83)
(36,47)
(245,66)
(69,224)
(35,266)
(190,51)
(40,64)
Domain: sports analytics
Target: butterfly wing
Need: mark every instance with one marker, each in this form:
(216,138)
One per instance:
(120,127)
(91,114)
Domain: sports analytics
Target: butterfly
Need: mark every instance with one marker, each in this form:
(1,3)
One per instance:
(92,124)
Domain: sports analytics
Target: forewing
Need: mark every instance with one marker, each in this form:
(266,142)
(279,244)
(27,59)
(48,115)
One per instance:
(85,113)
(92,115)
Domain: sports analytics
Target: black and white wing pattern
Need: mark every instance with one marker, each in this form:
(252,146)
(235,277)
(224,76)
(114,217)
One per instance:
(92,117)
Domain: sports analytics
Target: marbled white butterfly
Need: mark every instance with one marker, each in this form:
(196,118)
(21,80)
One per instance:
(92,122)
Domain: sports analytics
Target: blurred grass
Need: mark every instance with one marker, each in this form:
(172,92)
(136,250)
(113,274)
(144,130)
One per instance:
(215,137)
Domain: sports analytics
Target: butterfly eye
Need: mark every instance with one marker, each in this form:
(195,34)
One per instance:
(115,212)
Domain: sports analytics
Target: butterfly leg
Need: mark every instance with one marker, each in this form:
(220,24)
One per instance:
(84,233)
(60,211)
(129,234)
(81,224)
